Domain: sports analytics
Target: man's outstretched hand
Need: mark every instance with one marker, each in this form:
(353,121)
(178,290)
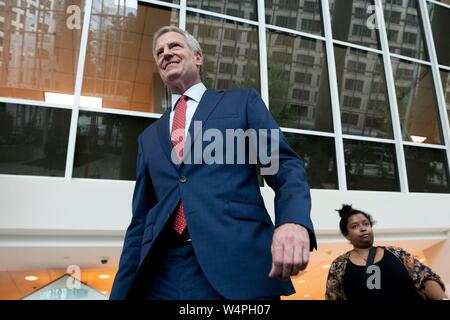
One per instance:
(290,250)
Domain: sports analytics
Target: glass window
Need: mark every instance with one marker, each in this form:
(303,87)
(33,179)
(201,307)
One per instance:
(106,146)
(445,78)
(238,39)
(370,166)
(427,169)
(417,104)
(362,93)
(299,94)
(120,68)
(39,45)
(33,140)
(351,21)
(319,156)
(298,15)
(246,9)
(439,18)
(405,22)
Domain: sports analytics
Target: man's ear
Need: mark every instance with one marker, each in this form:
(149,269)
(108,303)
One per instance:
(198,59)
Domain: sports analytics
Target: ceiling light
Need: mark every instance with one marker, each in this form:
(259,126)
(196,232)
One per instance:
(104,276)
(69,99)
(326,266)
(418,139)
(301,281)
(307,295)
(104,292)
(422,260)
(31,278)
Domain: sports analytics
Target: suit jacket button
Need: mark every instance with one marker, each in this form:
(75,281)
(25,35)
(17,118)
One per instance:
(183,179)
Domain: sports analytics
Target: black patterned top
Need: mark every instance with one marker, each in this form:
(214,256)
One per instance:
(418,272)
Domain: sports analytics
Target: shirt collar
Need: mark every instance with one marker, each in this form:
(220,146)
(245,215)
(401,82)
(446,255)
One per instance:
(194,93)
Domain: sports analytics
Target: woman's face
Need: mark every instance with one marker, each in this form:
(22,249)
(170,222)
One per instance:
(360,232)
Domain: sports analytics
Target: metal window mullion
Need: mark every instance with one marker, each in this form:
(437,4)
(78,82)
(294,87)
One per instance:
(392,97)
(415,60)
(162,4)
(356,46)
(334,94)
(38,103)
(440,97)
(440,4)
(263,63)
(78,86)
(182,22)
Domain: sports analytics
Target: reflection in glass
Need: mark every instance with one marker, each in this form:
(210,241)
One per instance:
(303,16)
(445,78)
(299,94)
(246,9)
(427,169)
(350,21)
(230,51)
(370,166)
(417,103)
(362,93)
(33,140)
(120,67)
(439,19)
(106,146)
(404,28)
(39,45)
(319,157)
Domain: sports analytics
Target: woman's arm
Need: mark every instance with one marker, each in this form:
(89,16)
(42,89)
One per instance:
(434,291)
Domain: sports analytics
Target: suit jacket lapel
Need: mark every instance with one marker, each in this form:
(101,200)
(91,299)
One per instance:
(209,101)
(164,136)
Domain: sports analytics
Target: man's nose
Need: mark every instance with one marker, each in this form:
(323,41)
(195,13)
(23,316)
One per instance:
(167,52)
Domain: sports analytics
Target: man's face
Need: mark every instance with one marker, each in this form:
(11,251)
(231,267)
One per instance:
(178,65)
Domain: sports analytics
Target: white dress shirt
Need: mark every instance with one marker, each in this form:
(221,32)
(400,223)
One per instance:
(195,93)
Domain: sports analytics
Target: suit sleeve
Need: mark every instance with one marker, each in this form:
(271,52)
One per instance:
(143,199)
(287,175)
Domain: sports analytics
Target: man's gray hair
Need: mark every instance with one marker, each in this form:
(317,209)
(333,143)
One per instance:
(191,41)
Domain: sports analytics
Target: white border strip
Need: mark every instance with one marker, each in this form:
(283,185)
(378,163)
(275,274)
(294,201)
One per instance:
(263,62)
(395,55)
(182,15)
(334,95)
(424,145)
(161,3)
(122,112)
(308,132)
(436,79)
(356,46)
(392,98)
(296,32)
(366,138)
(440,4)
(222,16)
(78,86)
(36,103)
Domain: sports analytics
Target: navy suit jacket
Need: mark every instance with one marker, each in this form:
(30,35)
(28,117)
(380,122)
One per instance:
(230,228)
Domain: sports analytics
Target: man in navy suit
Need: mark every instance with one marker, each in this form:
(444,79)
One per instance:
(199,229)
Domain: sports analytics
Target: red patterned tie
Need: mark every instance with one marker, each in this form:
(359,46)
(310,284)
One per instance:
(177,137)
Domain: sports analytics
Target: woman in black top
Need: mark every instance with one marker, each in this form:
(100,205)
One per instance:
(396,274)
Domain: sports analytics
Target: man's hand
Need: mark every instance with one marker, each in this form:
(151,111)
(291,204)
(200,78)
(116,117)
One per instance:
(290,250)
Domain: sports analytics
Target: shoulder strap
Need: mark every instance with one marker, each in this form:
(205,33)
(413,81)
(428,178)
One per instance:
(370,260)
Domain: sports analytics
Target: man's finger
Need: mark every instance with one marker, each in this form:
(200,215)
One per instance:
(288,261)
(277,261)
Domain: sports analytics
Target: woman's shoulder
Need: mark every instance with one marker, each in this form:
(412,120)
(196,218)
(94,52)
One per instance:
(340,260)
